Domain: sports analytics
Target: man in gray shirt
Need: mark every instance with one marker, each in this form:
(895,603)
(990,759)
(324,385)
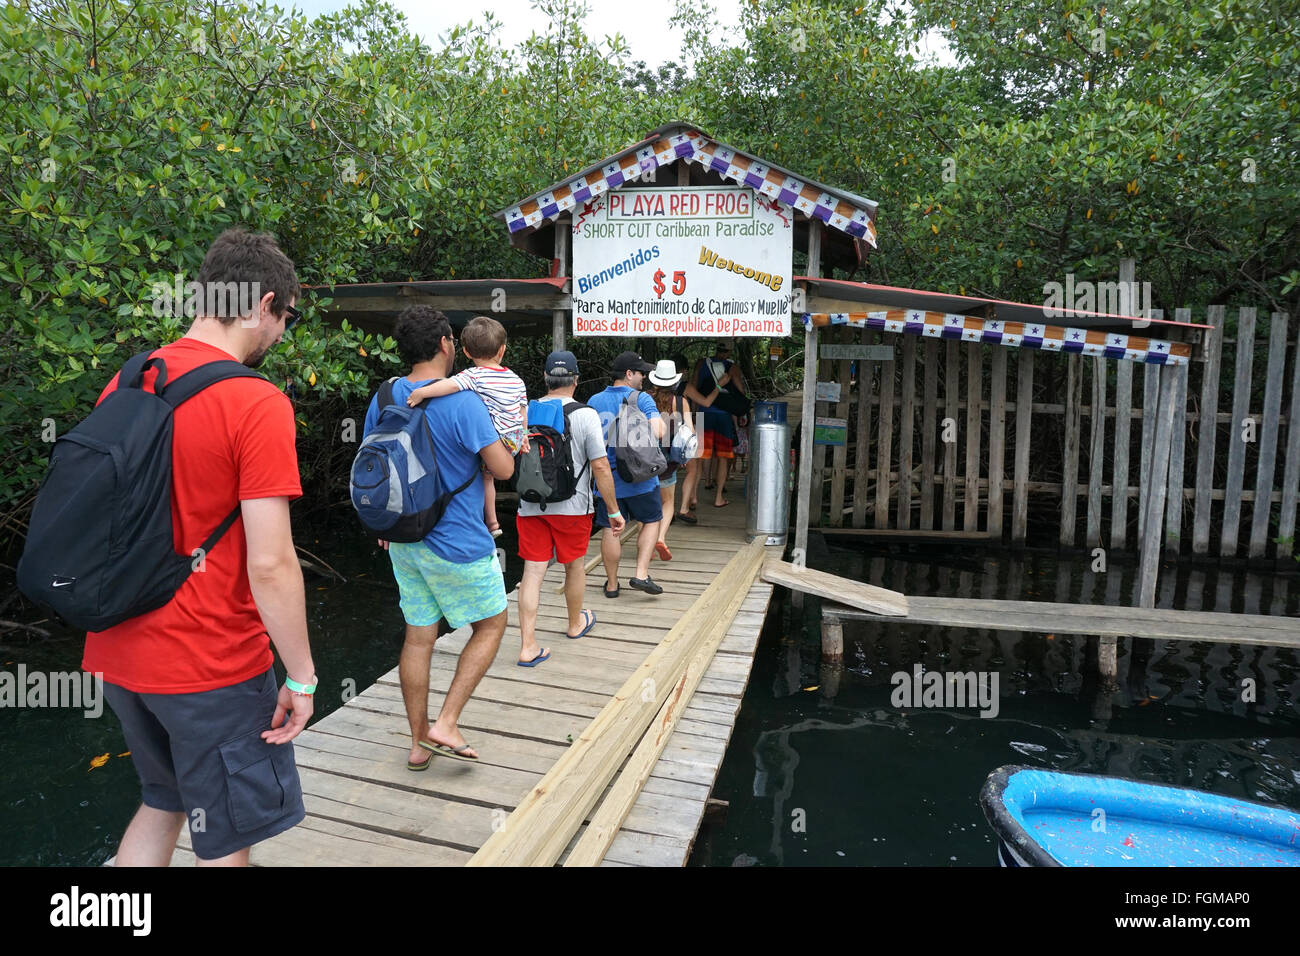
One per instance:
(563,529)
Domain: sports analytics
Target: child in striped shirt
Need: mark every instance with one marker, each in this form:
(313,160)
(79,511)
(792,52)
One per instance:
(502,391)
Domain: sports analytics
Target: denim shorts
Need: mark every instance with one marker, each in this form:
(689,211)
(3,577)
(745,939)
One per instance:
(432,588)
(203,755)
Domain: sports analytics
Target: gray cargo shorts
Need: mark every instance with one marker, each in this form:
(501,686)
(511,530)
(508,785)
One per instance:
(203,755)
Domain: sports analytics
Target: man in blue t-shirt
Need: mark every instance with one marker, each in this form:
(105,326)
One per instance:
(639,501)
(453,573)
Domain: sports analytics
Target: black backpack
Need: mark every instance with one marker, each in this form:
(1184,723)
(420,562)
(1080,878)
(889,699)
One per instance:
(544,474)
(100,543)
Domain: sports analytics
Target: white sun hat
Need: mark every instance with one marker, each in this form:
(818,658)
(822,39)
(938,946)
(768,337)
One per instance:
(665,374)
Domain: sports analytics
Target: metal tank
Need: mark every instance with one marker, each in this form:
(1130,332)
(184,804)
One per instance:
(767,483)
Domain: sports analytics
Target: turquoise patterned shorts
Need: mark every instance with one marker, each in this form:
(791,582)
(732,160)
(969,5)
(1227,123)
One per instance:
(432,588)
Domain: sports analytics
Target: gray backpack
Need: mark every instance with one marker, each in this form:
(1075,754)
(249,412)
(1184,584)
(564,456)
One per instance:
(639,454)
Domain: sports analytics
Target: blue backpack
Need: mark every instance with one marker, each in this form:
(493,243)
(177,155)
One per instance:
(396,486)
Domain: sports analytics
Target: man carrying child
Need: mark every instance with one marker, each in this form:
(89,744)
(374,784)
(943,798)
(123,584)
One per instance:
(502,391)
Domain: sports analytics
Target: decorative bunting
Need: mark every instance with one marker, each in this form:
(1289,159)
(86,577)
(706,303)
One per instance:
(695,147)
(1050,338)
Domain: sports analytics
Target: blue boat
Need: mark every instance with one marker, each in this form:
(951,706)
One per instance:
(1049,818)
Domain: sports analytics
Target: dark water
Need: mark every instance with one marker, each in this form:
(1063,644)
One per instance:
(824,770)
(55,809)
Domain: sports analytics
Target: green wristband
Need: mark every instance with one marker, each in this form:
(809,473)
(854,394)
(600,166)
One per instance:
(297,688)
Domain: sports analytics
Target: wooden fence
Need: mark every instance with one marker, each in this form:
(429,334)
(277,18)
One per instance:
(997,436)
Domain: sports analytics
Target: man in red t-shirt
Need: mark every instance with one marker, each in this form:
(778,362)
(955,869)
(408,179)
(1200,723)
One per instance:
(192,681)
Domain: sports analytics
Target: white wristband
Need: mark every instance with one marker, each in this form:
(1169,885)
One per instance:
(613,514)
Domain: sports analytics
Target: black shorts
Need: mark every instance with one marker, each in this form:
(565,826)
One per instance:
(646,508)
(203,755)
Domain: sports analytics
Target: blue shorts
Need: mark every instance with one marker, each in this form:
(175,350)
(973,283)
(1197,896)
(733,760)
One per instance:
(433,588)
(647,508)
(203,755)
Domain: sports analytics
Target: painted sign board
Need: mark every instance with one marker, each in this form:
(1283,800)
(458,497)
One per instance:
(703,261)
(830,431)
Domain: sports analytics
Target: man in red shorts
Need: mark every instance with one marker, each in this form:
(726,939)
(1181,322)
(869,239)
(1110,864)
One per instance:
(192,681)
(564,528)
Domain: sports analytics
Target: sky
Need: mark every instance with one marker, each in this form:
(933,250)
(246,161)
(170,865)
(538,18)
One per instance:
(649,38)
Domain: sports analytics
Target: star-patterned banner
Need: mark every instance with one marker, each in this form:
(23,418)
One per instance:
(695,147)
(1050,338)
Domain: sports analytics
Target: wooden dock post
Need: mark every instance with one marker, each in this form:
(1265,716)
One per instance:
(559,323)
(808,420)
(832,639)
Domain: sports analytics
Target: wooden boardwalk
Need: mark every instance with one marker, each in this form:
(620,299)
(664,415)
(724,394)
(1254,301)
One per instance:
(364,808)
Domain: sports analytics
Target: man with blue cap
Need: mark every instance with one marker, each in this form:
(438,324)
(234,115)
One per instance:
(562,528)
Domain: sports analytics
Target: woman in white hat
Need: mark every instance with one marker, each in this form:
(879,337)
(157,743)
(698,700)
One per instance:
(676,411)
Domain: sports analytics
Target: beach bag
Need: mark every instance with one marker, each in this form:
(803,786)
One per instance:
(729,400)
(396,486)
(638,453)
(544,474)
(100,546)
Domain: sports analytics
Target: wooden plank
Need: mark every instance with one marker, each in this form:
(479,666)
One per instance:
(862,450)
(906,434)
(884,443)
(1119,460)
(1206,431)
(929,414)
(1149,560)
(1024,416)
(1267,461)
(997,438)
(839,454)
(853,593)
(1070,479)
(949,426)
(807,413)
(974,392)
(1096,452)
(1045,617)
(1150,388)
(1177,455)
(540,828)
(819,451)
(1236,442)
(618,802)
(1291,471)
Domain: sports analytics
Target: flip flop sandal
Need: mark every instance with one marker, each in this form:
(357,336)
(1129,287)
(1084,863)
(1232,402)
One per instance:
(442,750)
(661,549)
(687,517)
(421,765)
(590,616)
(543,655)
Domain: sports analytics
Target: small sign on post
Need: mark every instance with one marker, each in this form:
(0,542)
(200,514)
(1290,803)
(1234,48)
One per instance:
(830,431)
(876,353)
(828,391)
